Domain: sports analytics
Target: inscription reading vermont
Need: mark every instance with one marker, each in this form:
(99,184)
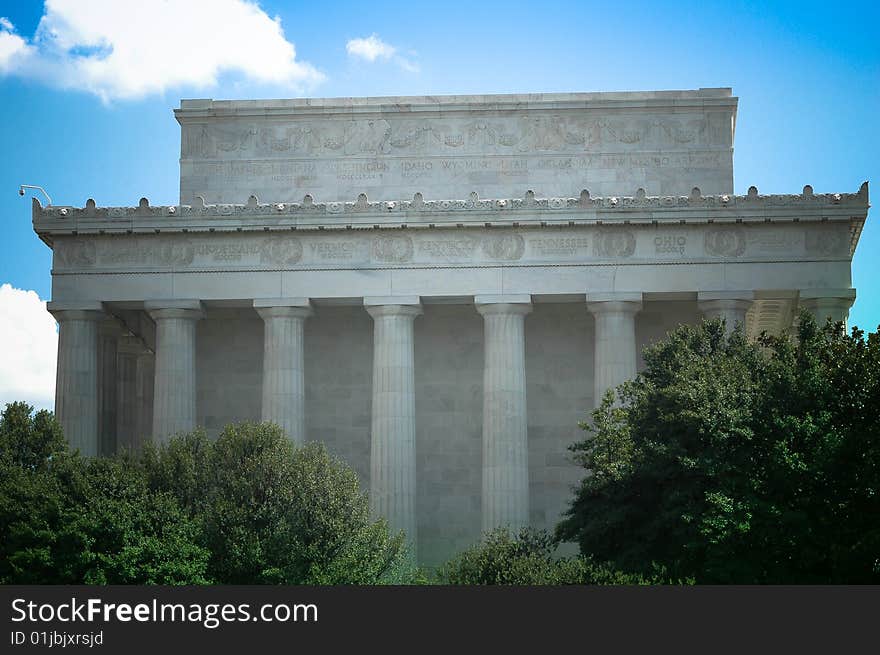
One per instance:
(428,248)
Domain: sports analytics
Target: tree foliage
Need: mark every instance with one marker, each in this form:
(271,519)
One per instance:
(528,557)
(732,461)
(248,508)
(273,513)
(69,520)
(28,440)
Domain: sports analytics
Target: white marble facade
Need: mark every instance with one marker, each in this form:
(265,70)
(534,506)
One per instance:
(439,288)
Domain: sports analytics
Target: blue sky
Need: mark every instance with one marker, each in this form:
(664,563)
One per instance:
(807,75)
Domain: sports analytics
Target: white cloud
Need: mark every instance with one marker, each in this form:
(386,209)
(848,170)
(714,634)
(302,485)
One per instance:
(372,48)
(121,49)
(13,48)
(28,348)
(407,65)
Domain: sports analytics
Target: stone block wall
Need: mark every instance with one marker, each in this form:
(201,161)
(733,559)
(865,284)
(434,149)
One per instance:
(449,399)
(229,368)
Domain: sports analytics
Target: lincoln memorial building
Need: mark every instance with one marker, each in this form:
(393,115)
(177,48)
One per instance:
(437,288)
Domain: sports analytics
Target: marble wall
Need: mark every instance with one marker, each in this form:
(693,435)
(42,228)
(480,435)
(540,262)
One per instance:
(449,399)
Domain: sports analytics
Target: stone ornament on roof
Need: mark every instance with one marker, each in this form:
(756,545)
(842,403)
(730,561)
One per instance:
(472,203)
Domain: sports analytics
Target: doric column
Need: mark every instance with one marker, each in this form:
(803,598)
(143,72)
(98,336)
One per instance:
(144,389)
(129,348)
(393,439)
(283,380)
(76,382)
(825,303)
(109,332)
(729,305)
(174,395)
(615,359)
(505,424)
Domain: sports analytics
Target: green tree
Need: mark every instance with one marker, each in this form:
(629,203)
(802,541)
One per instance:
(65,519)
(29,440)
(130,534)
(528,557)
(273,513)
(732,461)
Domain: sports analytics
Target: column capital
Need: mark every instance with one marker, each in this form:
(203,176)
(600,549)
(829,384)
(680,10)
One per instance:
(843,295)
(283,307)
(506,303)
(378,306)
(615,301)
(158,309)
(716,302)
(710,306)
(78,310)
(708,296)
(729,306)
(259,303)
(825,303)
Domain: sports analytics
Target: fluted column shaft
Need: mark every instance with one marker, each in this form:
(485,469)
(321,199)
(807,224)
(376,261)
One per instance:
(129,349)
(144,389)
(393,440)
(505,424)
(76,384)
(615,359)
(174,395)
(283,377)
(108,340)
(731,306)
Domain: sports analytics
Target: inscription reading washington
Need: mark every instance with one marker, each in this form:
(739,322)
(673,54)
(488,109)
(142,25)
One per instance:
(521,134)
(293,170)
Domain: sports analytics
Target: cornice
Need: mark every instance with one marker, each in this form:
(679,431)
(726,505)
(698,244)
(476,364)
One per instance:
(363,213)
(200,110)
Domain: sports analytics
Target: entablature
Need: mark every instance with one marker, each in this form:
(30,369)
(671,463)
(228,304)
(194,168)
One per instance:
(528,211)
